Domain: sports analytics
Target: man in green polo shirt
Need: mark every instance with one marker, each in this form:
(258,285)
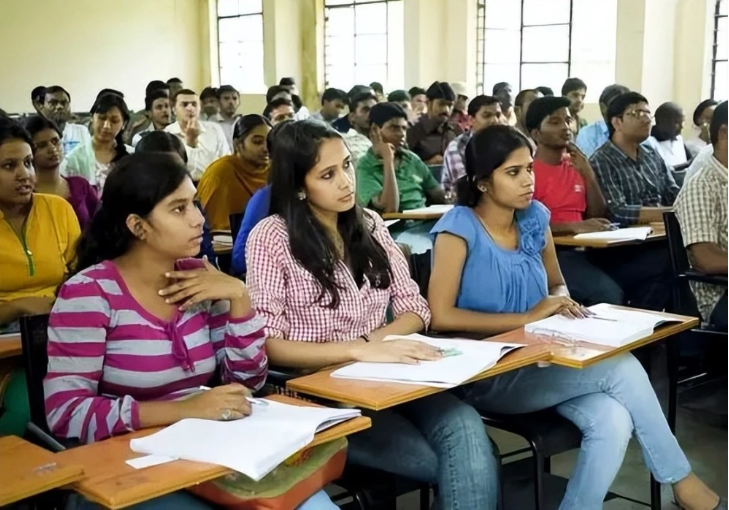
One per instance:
(390,178)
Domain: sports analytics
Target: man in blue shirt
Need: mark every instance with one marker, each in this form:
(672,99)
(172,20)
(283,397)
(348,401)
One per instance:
(591,137)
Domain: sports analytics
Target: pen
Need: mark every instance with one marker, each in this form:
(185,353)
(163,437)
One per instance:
(255,401)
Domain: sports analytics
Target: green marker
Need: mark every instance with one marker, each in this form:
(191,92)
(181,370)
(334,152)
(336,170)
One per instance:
(446,353)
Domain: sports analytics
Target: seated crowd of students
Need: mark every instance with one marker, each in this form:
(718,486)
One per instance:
(107,228)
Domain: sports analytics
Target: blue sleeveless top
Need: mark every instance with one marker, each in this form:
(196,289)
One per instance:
(494,279)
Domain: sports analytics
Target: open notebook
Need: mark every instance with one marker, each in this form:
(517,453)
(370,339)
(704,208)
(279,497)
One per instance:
(467,358)
(611,326)
(621,234)
(253,446)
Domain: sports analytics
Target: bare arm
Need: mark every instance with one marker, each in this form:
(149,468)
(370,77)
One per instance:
(437,195)
(596,204)
(388,201)
(449,255)
(651,215)
(555,280)
(709,258)
(10,311)
(310,355)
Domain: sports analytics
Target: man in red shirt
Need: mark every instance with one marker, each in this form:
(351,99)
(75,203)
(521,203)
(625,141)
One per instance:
(566,184)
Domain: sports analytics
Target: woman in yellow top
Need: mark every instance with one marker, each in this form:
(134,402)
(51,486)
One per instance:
(38,233)
(228,183)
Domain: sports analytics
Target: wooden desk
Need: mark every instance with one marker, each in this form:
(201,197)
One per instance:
(659,234)
(27,470)
(111,482)
(222,248)
(10,346)
(381,395)
(414,215)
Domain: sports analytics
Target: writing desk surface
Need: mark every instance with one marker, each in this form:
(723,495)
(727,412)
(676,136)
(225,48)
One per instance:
(376,395)
(27,470)
(658,234)
(10,346)
(222,248)
(111,482)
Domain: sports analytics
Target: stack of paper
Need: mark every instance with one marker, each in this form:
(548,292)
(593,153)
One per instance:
(223,239)
(622,234)
(253,446)
(432,209)
(471,357)
(610,326)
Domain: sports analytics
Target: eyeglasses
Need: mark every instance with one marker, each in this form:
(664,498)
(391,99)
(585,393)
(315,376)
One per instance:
(640,114)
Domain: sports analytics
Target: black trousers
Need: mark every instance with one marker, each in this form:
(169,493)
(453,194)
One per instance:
(718,317)
(638,275)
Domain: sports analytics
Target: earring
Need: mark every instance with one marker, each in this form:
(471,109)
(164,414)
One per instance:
(483,189)
(301,195)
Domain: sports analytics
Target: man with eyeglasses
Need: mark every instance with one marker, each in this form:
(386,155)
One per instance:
(638,188)
(637,184)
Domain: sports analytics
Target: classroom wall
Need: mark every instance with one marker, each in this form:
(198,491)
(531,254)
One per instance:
(121,44)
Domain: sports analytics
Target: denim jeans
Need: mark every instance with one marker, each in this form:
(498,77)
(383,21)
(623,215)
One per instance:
(608,402)
(182,500)
(439,440)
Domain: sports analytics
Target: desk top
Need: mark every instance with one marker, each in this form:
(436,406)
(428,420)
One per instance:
(222,248)
(27,470)
(659,234)
(10,346)
(113,483)
(381,395)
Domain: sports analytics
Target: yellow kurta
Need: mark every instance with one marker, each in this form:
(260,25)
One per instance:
(226,187)
(33,262)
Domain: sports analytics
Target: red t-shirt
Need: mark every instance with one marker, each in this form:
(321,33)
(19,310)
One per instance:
(561,189)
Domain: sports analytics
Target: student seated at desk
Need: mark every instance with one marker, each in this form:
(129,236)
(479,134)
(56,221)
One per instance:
(390,178)
(38,232)
(566,184)
(701,208)
(323,272)
(154,327)
(495,270)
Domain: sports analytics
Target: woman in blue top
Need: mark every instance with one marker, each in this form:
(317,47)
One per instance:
(495,269)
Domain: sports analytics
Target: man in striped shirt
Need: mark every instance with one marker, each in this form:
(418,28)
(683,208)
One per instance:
(635,180)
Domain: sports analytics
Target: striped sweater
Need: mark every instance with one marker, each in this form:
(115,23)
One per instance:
(106,353)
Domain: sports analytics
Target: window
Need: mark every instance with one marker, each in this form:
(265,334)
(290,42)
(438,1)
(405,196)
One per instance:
(240,44)
(363,42)
(719,72)
(531,43)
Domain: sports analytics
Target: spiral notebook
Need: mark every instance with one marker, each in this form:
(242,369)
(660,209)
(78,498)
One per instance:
(610,326)
(253,446)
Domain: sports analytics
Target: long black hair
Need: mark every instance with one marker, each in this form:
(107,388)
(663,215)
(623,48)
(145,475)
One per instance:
(134,186)
(486,151)
(105,102)
(37,123)
(248,123)
(161,141)
(295,153)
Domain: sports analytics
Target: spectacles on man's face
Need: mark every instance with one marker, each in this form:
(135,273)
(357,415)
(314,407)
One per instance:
(640,114)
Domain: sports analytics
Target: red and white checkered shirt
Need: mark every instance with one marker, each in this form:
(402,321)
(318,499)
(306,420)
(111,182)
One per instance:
(285,293)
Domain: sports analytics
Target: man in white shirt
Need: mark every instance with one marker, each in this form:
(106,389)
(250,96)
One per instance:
(157,108)
(204,141)
(57,107)
(228,102)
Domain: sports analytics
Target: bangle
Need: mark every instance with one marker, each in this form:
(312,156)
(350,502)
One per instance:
(366,338)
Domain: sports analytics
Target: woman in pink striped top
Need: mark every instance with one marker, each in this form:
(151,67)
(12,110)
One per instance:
(140,327)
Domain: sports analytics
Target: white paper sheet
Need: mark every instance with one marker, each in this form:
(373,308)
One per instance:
(253,446)
(223,239)
(636,233)
(149,460)
(447,372)
(436,209)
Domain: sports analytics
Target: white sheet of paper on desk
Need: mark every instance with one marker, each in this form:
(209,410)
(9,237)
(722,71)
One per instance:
(432,209)
(634,233)
(223,239)
(149,461)
(447,372)
(611,326)
(389,223)
(253,446)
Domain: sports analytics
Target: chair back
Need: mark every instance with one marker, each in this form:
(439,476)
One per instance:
(437,171)
(235,222)
(420,269)
(683,299)
(34,339)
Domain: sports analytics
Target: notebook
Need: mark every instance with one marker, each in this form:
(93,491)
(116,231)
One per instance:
(627,234)
(253,446)
(468,358)
(611,326)
(432,209)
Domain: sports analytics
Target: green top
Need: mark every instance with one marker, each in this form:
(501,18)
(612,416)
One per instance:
(413,176)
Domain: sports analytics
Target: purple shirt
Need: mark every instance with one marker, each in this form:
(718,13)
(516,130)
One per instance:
(83,198)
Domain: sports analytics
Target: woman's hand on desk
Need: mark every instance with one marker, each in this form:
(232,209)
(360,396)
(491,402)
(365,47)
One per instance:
(197,285)
(223,403)
(396,351)
(552,305)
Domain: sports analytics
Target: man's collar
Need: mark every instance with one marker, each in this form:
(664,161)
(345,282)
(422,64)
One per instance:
(640,155)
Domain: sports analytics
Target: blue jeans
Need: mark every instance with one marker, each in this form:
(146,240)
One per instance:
(438,440)
(608,402)
(182,500)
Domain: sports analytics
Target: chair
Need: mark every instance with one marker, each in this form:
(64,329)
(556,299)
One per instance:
(546,432)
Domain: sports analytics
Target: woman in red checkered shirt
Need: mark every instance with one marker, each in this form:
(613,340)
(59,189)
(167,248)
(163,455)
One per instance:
(323,272)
